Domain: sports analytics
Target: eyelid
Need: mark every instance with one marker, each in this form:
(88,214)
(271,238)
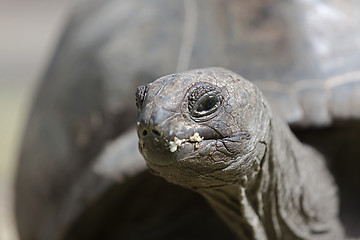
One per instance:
(141,95)
(214,95)
(197,95)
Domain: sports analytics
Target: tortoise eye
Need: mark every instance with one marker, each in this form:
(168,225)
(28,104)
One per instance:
(206,105)
(204,100)
(140,96)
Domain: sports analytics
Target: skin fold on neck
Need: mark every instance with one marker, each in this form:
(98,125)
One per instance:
(292,196)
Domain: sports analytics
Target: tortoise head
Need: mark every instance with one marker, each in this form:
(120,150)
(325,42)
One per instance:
(204,128)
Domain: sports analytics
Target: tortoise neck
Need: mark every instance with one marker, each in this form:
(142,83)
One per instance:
(292,197)
(300,188)
(232,205)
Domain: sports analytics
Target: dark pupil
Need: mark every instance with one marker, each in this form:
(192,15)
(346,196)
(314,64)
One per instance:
(207,105)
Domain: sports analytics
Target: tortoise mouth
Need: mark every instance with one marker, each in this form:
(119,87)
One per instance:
(194,147)
(172,152)
(191,167)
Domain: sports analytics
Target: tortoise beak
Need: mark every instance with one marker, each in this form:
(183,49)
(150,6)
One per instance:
(153,145)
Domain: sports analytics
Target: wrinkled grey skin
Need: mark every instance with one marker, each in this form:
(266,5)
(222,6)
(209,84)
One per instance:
(257,176)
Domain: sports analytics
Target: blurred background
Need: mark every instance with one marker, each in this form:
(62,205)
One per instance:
(119,49)
(29,31)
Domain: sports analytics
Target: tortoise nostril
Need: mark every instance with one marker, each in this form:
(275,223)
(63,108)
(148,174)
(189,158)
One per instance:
(146,131)
(156,133)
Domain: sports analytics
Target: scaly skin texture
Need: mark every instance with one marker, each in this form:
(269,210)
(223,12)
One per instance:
(256,175)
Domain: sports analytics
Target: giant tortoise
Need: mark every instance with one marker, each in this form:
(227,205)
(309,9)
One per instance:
(80,175)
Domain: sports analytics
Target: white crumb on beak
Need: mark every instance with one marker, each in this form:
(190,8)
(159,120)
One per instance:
(196,138)
(173,145)
(178,141)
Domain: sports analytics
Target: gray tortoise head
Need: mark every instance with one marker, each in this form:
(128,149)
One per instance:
(192,124)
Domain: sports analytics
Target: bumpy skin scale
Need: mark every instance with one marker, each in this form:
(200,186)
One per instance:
(256,175)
